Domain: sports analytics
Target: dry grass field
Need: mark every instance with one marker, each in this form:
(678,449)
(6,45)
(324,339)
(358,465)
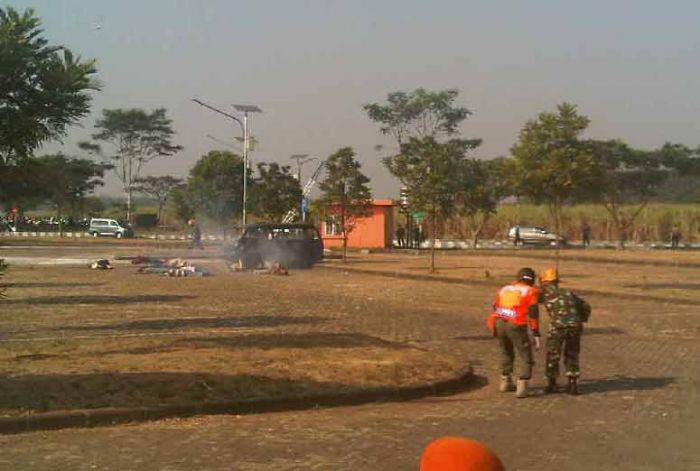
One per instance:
(76,338)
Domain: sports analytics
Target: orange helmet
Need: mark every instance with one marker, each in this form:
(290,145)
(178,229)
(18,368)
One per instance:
(549,275)
(459,454)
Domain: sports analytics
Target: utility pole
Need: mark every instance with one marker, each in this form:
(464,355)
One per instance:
(301,159)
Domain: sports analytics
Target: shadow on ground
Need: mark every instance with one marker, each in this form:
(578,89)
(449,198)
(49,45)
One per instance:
(96,299)
(47,284)
(623,383)
(688,286)
(264,342)
(199,322)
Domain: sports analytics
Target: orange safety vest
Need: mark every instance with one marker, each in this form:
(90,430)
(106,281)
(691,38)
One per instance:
(513,303)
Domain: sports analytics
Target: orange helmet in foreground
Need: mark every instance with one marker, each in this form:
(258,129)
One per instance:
(549,275)
(459,454)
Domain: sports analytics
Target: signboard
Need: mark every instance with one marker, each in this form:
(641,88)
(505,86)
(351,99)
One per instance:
(418,216)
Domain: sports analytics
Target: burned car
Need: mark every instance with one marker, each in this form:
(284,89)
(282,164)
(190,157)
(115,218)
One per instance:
(289,245)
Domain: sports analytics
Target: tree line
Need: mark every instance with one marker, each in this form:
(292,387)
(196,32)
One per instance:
(45,89)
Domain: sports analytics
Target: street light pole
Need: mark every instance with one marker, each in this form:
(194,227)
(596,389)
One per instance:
(244,127)
(246,144)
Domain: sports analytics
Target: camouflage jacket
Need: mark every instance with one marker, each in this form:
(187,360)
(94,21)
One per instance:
(565,309)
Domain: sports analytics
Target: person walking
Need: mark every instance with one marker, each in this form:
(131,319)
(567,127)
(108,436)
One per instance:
(567,314)
(417,236)
(515,312)
(196,235)
(585,234)
(401,236)
(517,240)
(675,237)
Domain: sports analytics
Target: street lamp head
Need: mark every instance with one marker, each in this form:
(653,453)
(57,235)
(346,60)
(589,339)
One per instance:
(247,108)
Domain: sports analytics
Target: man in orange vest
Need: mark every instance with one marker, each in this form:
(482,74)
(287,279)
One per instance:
(516,311)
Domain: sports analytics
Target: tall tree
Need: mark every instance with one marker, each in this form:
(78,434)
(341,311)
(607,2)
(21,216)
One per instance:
(216,186)
(43,88)
(631,178)
(65,181)
(136,137)
(552,163)
(419,113)
(346,194)
(157,188)
(276,191)
(430,171)
(483,184)
(181,202)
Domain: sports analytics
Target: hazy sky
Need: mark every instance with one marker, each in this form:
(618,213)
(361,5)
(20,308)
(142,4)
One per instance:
(632,66)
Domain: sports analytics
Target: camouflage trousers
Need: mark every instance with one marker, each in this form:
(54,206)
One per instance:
(514,339)
(568,340)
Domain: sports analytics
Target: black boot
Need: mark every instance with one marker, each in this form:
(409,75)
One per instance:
(572,387)
(551,385)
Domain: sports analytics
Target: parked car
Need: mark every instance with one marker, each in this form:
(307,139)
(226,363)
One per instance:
(109,227)
(536,235)
(290,245)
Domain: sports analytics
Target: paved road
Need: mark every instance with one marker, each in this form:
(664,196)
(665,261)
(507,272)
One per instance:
(639,410)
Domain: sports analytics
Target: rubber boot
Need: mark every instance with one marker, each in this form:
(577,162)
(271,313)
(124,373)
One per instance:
(551,385)
(521,391)
(506,384)
(572,387)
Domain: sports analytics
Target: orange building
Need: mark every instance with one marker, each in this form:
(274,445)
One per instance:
(376,230)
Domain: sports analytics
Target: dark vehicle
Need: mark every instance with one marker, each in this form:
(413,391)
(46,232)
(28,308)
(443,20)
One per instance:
(290,245)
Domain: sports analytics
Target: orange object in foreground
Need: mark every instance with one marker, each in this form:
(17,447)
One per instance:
(459,454)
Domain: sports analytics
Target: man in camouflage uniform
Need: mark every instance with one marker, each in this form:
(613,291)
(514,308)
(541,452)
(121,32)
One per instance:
(567,314)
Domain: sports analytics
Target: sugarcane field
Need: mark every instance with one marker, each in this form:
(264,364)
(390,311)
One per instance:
(321,235)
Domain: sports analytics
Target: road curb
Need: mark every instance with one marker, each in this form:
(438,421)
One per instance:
(113,416)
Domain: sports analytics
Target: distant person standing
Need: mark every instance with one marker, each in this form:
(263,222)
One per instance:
(401,236)
(675,237)
(196,235)
(517,240)
(586,234)
(417,236)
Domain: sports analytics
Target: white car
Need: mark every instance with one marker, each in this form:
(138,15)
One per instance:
(535,235)
(108,227)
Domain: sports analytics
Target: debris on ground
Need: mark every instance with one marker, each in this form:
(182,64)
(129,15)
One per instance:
(274,268)
(175,267)
(277,269)
(101,264)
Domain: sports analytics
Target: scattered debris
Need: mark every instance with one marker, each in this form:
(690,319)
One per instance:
(101,264)
(175,267)
(277,269)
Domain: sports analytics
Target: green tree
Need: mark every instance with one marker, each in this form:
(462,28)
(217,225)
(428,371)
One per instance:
(631,178)
(157,188)
(216,186)
(43,88)
(552,163)
(430,171)
(419,113)
(181,202)
(65,181)
(136,137)
(275,192)
(483,184)
(346,195)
